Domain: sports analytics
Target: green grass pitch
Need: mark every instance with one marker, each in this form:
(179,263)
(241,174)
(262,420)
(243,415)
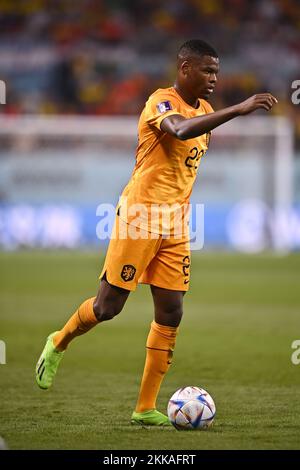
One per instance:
(241,317)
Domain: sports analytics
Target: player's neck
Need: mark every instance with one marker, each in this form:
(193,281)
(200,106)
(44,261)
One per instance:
(186,96)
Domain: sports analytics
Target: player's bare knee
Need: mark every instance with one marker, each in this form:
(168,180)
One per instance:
(173,310)
(105,311)
(169,316)
(103,314)
(106,315)
(176,315)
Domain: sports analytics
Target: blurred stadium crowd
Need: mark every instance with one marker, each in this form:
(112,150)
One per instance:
(105,57)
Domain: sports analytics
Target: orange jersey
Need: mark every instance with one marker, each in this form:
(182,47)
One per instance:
(165,168)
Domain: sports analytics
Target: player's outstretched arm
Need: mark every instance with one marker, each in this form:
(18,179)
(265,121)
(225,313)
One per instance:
(184,129)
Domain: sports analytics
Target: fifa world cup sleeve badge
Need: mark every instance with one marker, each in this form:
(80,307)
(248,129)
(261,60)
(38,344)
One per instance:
(164,106)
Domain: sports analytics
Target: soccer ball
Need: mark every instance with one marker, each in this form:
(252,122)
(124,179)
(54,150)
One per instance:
(191,408)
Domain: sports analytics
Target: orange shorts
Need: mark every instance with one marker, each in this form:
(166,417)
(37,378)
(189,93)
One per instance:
(162,262)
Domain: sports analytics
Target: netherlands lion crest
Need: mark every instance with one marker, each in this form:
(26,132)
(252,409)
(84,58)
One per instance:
(128,272)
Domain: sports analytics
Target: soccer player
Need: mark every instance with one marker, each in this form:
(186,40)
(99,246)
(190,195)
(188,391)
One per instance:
(173,131)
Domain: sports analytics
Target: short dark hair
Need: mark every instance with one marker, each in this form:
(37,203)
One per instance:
(197,47)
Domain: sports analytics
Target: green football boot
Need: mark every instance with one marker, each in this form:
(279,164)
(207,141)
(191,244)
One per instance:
(48,363)
(150,418)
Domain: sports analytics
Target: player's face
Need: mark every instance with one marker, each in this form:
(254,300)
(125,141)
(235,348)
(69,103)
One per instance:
(202,76)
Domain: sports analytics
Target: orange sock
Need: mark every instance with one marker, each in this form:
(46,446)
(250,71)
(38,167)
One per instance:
(160,347)
(82,321)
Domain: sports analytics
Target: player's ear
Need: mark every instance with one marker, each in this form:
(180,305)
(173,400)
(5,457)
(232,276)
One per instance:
(185,66)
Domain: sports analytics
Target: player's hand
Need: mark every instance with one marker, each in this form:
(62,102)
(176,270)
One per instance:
(260,101)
